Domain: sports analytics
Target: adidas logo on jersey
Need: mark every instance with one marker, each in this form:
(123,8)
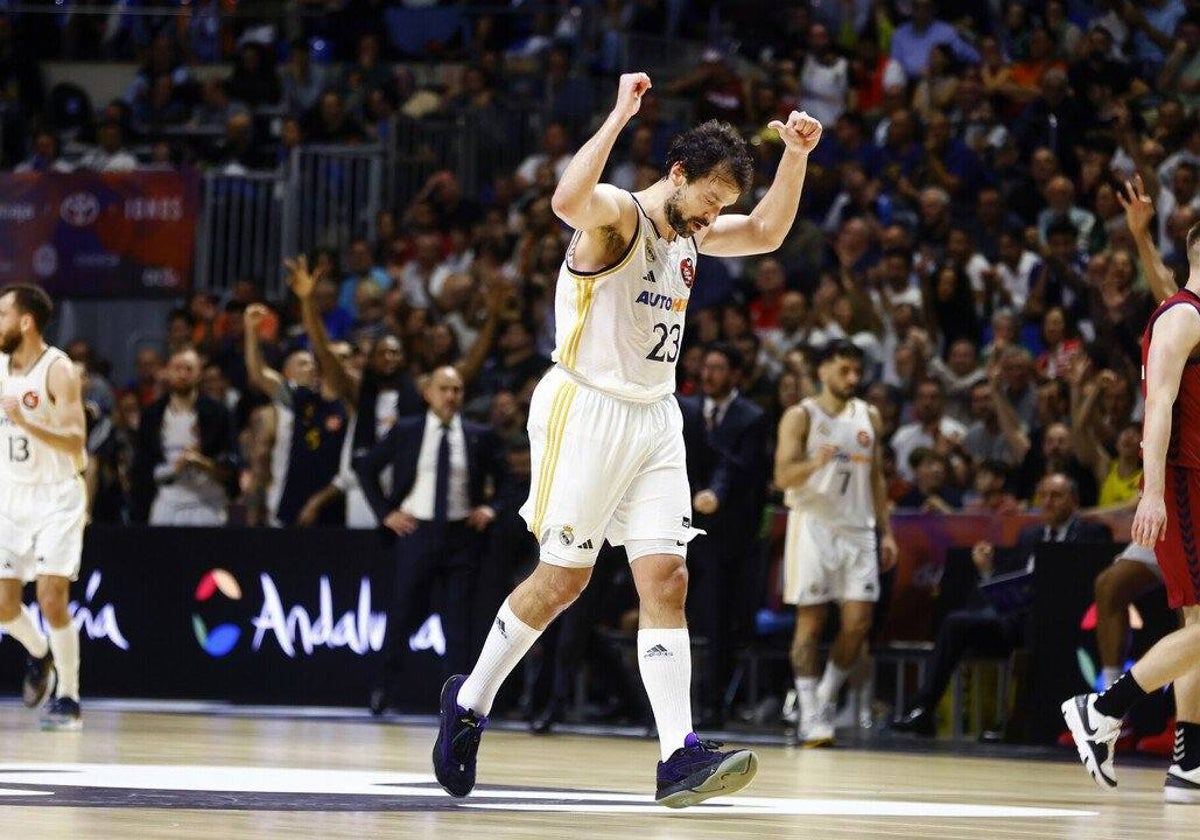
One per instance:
(657,652)
(657,301)
(648,277)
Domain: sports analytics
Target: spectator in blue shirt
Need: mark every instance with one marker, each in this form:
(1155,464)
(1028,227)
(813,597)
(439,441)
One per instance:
(912,42)
(1153,25)
(360,266)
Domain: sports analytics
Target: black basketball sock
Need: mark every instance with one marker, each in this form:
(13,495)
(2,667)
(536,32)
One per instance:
(1120,697)
(1187,745)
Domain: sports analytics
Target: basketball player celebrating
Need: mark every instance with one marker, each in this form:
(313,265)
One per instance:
(1166,520)
(607,406)
(829,466)
(43,503)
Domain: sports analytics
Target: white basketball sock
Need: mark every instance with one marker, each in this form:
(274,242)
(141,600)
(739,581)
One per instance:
(665,662)
(1110,676)
(831,683)
(507,642)
(27,633)
(806,694)
(64,641)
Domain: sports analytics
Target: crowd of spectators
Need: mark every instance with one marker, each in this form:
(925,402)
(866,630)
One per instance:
(961,222)
(977,218)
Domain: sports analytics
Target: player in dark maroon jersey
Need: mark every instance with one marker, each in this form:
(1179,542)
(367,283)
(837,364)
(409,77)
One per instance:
(1167,520)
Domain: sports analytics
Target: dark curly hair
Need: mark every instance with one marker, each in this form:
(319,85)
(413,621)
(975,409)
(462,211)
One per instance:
(713,147)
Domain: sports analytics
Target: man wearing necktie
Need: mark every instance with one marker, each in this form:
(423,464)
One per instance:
(445,470)
(979,626)
(726,439)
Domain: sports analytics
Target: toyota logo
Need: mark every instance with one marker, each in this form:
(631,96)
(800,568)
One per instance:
(80,209)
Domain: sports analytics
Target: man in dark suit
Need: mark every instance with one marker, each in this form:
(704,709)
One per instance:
(981,627)
(726,438)
(444,470)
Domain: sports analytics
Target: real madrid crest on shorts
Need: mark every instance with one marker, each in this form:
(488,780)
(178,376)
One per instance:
(567,535)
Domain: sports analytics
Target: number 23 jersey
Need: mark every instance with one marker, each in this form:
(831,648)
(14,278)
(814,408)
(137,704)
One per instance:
(839,492)
(619,330)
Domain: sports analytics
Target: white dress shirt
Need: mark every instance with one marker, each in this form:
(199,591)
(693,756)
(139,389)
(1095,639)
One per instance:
(721,407)
(419,502)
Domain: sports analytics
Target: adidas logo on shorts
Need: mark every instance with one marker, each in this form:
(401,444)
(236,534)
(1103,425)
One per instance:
(657,652)
(586,545)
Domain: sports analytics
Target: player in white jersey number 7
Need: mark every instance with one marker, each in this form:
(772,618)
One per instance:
(620,305)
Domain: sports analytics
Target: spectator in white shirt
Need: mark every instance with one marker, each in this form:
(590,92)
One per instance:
(109,155)
(931,428)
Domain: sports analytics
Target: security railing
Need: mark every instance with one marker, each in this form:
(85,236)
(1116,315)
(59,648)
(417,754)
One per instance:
(242,218)
(324,197)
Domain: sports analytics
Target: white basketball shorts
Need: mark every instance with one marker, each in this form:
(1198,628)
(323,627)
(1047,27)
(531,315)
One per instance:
(41,529)
(604,468)
(823,564)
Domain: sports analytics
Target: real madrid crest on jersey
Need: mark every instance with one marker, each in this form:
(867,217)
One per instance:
(650,250)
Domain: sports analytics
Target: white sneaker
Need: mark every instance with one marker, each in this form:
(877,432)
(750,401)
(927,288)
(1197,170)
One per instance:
(815,730)
(1095,737)
(791,707)
(1182,787)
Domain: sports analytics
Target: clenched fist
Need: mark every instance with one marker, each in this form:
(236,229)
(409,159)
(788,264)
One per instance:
(629,94)
(800,133)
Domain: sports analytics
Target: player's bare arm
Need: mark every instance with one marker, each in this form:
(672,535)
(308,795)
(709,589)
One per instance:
(766,226)
(302,281)
(889,550)
(792,468)
(66,406)
(1139,213)
(1176,336)
(603,214)
(261,376)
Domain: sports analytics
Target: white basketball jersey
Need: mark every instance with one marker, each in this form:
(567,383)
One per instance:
(620,330)
(23,458)
(839,492)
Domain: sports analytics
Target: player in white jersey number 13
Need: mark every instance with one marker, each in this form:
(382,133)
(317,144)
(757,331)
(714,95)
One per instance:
(43,503)
(606,433)
(828,465)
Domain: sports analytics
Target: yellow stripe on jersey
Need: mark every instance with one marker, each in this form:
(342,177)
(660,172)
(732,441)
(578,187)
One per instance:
(585,285)
(585,293)
(554,437)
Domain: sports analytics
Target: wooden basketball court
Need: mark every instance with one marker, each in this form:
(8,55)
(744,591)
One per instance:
(137,774)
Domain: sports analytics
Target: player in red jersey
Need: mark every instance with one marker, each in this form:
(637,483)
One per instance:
(1167,520)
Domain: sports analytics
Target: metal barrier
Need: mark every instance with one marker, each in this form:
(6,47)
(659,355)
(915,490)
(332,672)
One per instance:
(242,216)
(327,196)
(334,195)
(417,149)
(474,144)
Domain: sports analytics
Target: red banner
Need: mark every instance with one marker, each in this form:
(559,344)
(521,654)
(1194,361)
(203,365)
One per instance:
(91,234)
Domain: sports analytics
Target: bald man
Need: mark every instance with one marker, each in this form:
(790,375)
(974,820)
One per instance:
(445,473)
